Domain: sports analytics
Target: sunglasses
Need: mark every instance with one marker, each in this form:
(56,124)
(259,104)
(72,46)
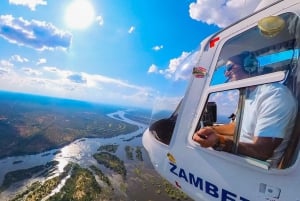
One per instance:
(229,66)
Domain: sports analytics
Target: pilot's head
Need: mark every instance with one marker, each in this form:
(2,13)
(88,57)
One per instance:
(241,66)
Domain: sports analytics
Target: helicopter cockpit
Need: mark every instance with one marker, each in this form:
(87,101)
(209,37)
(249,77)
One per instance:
(275,60)
(275,43)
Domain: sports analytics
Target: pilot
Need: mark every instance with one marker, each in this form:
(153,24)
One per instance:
(268,117)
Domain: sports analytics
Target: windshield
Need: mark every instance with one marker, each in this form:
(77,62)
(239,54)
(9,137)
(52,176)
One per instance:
(270,53)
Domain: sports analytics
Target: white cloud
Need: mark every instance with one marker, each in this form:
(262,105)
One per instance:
(18,58)
(131,29)
(39,35)
(53,81)
(29,3)
(100,20)
(5,67)
(41,61)
(165,103)
(141,97)
(153,69)
(221,12)
(6,64)
(50,69)
(180,68)
(157,47)
(30,71)
(213,12)
(226,100)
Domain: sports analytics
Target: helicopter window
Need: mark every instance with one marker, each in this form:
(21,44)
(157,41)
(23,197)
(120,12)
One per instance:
(279,61)
(220,112)
(247,115)
(225,105)
(163,128)
(258,52)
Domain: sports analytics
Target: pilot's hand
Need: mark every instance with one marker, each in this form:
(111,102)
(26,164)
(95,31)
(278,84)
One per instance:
(206,137)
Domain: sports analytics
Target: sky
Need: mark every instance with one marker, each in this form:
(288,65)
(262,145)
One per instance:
(125,52)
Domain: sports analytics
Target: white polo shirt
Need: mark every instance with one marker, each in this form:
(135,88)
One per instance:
(270,111)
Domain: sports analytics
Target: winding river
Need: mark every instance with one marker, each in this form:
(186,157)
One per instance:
(80,151)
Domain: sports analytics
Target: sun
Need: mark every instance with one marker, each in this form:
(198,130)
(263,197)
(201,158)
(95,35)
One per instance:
(79,14)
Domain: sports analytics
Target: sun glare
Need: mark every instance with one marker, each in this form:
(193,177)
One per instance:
(79,14)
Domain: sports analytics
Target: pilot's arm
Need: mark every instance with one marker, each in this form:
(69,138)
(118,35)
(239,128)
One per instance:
(262,147)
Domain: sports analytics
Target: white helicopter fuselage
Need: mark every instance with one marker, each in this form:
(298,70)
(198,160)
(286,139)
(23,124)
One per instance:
(204,173)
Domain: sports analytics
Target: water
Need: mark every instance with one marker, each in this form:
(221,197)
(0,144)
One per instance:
(80,151)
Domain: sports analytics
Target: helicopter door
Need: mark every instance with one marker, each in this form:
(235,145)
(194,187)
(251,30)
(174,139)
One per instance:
(267,62)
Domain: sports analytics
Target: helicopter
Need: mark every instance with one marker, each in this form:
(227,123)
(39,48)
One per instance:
(272,34)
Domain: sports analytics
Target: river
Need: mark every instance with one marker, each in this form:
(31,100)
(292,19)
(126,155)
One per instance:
(80,151)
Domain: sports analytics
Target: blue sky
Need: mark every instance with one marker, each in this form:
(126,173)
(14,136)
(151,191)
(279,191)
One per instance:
(128,52)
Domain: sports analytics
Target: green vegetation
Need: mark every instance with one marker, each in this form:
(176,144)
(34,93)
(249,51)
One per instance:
(160,185)
(110,148)
(38,190)
(139,154)
(31,188)
(81,186)
(112,162)
(19,175)
(173,192)
(33,127)
(129,153)
(101,175)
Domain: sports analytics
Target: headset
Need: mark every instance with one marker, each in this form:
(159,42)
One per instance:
(250,62)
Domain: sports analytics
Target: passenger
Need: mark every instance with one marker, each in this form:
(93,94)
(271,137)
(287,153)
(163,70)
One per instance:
(268,117)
